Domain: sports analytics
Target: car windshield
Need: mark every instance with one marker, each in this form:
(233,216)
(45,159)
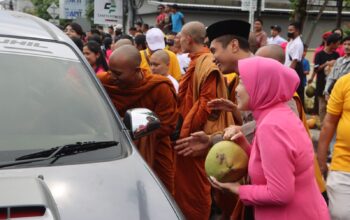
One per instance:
(49,100)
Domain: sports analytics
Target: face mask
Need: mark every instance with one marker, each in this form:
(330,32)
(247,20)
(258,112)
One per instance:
(290,35)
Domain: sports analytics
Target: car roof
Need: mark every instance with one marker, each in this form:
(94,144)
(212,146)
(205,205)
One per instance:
(19,24)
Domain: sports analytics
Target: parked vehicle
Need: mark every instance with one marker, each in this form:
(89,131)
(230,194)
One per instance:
(64,151)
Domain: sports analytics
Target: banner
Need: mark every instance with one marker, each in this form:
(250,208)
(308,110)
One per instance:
(72,9)
(108,12)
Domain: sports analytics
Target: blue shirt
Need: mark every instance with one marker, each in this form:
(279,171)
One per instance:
(176,20)
(306,67)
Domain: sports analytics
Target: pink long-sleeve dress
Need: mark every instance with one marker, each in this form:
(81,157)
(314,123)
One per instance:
(283,185)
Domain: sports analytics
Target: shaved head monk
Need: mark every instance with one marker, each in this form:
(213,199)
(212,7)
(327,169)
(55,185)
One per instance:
(130,87)
(121,42)
(155,40)
(272,51)
(159,63)
(162,56)
(201,83)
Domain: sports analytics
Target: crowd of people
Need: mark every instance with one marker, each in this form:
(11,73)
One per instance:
(224,82)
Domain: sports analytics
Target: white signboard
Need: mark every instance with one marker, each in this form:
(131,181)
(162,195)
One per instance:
(72,9)
(53,10)
(108,12)
(248,5)
(54,21)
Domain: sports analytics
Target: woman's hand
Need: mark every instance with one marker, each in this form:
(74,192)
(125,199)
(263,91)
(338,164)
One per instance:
(231,187)
(234,133)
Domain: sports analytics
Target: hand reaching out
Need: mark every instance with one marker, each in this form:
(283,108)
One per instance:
(195,145)
(222,104)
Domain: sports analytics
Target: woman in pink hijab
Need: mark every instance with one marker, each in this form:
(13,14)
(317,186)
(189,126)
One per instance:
(281,157)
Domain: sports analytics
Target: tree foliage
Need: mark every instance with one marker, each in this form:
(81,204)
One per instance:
(299,12)
(90,10)
(315,22)
(41,7)
(340,7)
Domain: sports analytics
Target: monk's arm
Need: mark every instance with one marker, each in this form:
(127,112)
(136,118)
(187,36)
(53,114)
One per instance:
(207,93)
(237,117)
(166,110)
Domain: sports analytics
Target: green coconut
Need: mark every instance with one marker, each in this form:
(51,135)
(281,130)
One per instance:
(227,162)
(310,91)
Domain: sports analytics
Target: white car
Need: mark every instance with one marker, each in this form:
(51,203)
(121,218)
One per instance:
(64,151)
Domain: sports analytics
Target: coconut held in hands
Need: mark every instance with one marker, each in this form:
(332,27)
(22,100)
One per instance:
(227,162)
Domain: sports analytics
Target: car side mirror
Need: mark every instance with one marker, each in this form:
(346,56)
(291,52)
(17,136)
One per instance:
(141,122)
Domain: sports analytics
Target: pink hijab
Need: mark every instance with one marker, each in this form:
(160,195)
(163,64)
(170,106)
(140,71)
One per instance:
(267,82)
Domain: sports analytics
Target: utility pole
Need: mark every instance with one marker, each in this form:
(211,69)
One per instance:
(251,14)
(11,5)
(258,9)
(250,6)
(131,15)
(339,11)
(125,12)
(128,15)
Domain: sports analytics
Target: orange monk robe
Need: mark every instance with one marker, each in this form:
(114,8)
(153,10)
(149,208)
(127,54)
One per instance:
(174,66)
(319,179)
(232,82)
(201,83)
(156,93)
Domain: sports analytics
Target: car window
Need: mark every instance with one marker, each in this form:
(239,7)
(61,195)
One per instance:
(47,101)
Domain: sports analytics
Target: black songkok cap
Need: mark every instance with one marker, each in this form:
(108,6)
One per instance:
(228,27)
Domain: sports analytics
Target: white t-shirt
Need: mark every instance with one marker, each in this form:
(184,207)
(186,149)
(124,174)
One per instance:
(294,51)
(276,40)
(175,83)
(184,61)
